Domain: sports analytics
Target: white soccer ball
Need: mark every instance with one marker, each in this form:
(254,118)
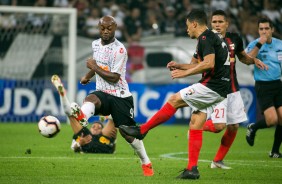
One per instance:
(49,126)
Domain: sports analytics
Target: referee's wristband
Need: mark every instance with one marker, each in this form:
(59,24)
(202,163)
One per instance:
(258,45)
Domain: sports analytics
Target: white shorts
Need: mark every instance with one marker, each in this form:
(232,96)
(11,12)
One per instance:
(201,98)
(230,111)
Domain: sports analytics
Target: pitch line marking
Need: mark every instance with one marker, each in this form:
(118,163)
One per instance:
(231,162)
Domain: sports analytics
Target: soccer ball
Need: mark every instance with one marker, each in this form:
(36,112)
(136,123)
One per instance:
(49,126)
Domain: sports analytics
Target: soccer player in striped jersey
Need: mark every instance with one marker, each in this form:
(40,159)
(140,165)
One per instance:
(97,139)
(268,84)
(234,113)
(112,95)
(212,60)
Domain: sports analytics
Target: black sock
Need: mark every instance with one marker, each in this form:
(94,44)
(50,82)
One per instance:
(261,124)
(277,139)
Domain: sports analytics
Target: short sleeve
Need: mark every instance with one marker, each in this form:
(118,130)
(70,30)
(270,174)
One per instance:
(240,45)
(206,45)
(251,46)
(119,60)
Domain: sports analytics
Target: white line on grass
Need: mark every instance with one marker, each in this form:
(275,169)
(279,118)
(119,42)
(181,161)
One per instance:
(231,162)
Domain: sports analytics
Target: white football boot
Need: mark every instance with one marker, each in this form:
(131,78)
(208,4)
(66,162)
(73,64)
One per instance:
(78,114)
(219,165)
(58,85)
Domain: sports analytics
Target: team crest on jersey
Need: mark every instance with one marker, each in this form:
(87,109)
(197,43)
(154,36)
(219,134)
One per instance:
(121,50)
(203,37)
(232,46)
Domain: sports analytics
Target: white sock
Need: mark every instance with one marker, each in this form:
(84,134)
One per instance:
(65,104)
(88,109)
(139,148)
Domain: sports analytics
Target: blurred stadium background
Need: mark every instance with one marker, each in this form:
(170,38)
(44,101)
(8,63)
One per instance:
(40,38)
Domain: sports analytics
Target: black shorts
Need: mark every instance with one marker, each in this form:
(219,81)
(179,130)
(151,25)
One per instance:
(99,143)
(121,109)
(269,93)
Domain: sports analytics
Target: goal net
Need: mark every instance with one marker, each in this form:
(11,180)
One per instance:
(38,42)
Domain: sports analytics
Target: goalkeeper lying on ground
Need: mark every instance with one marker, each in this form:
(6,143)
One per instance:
(97,139)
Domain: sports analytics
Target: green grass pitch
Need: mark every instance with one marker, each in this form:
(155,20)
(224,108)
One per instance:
(52,161)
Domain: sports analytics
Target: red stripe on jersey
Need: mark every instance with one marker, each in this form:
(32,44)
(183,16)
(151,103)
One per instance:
(232,63)
(207,78)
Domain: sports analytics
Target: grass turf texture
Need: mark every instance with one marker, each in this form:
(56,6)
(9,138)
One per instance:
(28,157)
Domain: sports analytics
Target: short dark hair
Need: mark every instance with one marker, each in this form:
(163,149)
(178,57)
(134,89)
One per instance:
(265,20)
(102,125)
(197,15)
(219,12)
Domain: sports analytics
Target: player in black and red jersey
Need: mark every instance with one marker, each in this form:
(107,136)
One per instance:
(235,111)
(212,60)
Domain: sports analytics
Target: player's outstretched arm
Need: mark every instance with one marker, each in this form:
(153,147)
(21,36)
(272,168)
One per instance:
(172,65)
(246,59)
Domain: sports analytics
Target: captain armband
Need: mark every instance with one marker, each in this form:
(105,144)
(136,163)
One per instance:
(258,45)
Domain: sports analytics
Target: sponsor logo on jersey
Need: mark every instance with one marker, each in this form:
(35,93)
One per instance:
(104,140)
(232,46)
(191,91)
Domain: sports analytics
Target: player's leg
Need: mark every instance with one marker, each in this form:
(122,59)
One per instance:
(56,81)
(81,137)
(165,113)
(278,130)
(75,125)
(226,142)
(271,119)
(70,109)
(122,113)
(275,153)
(110,130)
(209,126)
(139,148)
(218,120)
(266,95)
(190,96)
(194,145)
(235,113)
(90,106)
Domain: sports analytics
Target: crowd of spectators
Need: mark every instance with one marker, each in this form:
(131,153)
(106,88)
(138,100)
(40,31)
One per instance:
(140,18)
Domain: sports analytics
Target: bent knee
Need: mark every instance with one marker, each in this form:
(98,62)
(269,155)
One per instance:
(176,101)
(272,121)
(233,127)
(219,127)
